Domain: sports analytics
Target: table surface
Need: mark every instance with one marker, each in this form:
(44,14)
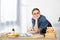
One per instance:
(34,37)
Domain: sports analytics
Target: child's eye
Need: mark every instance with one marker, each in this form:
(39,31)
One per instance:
(34,13)
(37,13)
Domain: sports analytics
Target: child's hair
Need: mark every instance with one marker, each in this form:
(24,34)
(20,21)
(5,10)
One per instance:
(35,9)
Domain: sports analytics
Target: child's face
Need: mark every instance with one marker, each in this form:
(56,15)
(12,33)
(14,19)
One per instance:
(36,14)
